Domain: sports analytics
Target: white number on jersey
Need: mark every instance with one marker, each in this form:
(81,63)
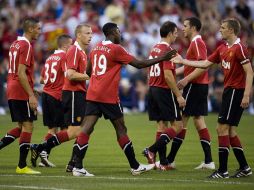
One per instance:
(49,71)
(12,63)
(155,70)
(101,62)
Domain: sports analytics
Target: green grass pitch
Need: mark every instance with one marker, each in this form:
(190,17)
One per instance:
(106,160)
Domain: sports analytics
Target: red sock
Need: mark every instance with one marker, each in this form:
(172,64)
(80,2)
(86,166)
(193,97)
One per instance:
(224,141)
(25,137)
(204,134)
(62,136)
(48,136)
(123,140)
(82,139)
(15,132)
(235,142)
(158,134)
(182,133)
(170,133)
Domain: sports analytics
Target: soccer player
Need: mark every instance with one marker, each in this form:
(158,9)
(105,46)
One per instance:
(21,97)
(73,95)
(164,98)
(195,92)
(107,58)
(236,96)
(52,76)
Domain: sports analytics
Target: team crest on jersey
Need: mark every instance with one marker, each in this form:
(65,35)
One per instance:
(78,119)
(230,54)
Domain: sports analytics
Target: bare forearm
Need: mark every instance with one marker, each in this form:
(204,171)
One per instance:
(172,85)
(197,64)
(248,84)
(145,63)
(196,73)
(25,84)
(75,76)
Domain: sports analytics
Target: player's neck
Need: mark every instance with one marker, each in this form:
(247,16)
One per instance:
(83,47)
(193,35)
(167,40)
(231,40)
(27,36)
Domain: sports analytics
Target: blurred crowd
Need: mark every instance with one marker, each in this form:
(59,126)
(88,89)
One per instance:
(139,22)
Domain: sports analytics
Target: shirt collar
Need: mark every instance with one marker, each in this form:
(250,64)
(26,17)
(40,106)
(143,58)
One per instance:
(23,38)
(236,42)
(106,42)
(59,51)
(77,45)
(196,37)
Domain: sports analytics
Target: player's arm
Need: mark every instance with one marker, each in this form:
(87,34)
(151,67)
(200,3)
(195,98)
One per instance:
(180,70)
(41,80)
(248,85)
(73,75)
(170,79)
(89,68)
(25,84)
(194,74)
(198,64)
(148,62)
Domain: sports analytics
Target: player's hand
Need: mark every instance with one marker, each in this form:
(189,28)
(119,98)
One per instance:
(182,83)
(170,54)
(181,101)
(33,102)
(37,93)
(177,59)
(245,102)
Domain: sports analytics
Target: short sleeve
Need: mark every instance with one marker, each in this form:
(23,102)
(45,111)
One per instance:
(168,65)
(215,56)
(25,55)
(242,54)
(122,56)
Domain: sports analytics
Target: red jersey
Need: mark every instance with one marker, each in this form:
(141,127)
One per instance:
(231,58)
(20,53)
(53,74)
(107,59)
(156,72)
(196,51)
(76,59)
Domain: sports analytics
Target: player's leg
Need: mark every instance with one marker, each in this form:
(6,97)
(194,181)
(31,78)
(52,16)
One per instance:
(81,147)
(126,145)
(10,136)
(205,141)
(177,142)
(244,169)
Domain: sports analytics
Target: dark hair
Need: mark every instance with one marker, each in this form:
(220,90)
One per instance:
(62,39)
(29,22)
(79,27)
(166,28)
(233,24)
(108,28)
(194,21)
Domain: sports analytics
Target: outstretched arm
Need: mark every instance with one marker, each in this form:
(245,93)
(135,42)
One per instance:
(198,64)
(148,62)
